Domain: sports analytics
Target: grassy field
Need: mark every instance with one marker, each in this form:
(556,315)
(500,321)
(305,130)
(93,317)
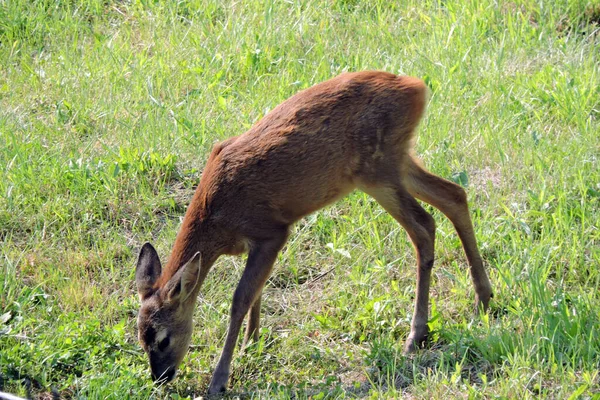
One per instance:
(108,110)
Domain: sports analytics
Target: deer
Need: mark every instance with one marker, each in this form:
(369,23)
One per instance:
(355,131)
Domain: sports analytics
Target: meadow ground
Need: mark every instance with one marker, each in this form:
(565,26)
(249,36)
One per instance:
(108,110)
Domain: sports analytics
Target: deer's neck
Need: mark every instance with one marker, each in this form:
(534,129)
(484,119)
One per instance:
(196,235)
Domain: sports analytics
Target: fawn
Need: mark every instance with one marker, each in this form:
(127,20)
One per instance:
(354,131)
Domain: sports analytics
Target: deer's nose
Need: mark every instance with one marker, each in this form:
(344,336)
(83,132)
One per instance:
(165,376)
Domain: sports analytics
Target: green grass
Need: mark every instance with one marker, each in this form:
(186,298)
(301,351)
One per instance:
(108,110)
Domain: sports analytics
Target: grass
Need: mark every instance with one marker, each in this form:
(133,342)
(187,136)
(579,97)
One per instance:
(108,110)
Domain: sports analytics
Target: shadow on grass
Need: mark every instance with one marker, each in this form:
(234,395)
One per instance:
(32,387)
(390,369)
(386,370)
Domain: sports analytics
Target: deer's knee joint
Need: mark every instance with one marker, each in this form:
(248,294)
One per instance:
(426,266)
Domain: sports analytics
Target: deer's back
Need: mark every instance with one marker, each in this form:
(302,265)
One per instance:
(312,148)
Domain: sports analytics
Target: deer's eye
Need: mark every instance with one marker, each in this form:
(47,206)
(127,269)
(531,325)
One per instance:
(163,344)
(149,335)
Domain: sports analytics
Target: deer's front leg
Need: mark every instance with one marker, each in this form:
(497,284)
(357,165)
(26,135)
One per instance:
(258,268)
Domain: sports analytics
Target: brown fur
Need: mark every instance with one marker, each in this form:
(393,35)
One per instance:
(353,131)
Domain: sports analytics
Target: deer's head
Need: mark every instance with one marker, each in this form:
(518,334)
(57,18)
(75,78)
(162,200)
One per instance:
(165,316)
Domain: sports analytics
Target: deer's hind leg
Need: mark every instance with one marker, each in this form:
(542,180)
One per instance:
(253,327)
(420,226)
(451,199)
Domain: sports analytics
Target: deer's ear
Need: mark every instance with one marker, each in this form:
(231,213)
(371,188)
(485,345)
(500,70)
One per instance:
(183,283)
(147,271)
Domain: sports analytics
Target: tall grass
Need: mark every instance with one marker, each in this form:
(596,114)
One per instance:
(108,110)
